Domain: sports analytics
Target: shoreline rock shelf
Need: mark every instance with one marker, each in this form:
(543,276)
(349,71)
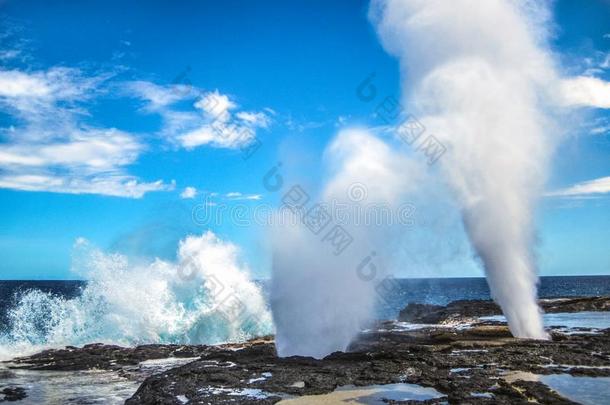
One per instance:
(478,364)
(467,310)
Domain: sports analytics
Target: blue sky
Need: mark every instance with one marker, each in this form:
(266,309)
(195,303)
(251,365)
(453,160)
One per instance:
(105,124)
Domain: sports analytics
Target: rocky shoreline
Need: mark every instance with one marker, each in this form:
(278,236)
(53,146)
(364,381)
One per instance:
(469,310)
(480,363)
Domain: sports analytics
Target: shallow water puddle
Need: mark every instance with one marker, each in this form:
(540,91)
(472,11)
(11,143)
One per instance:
(249,393)
(83,387)
(72,387)
(370,394)
(399,326)
(161,365)
(585,390)
(594,320)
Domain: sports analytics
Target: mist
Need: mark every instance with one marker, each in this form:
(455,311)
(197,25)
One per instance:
(320,300)
(477,75)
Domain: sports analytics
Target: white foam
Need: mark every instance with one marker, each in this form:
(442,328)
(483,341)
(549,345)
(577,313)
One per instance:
(206,296)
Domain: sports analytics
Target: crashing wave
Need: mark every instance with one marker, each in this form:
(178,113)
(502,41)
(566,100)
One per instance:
(205,297)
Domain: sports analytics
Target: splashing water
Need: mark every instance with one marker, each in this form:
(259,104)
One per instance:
(320,298)
(206,297)
(479,76)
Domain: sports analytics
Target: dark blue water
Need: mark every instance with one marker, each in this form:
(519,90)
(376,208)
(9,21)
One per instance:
(441,291)
(433,291)
(11,291)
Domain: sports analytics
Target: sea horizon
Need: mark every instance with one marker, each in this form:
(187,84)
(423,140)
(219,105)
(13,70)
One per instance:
(269,279)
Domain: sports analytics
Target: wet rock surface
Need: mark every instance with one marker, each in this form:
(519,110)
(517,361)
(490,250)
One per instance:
(476,364)
(11,394)
(464,310)
(467,365)
(102,357)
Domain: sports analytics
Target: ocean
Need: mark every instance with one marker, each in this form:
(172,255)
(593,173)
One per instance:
(37,314)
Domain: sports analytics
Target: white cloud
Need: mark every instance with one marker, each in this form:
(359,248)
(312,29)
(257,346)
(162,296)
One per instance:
(55,84)
(157,96)
(236,195)
(215,106)
(220,127)
(586,188)
(10,54)
(600,130)
(50,145)
(215,119)
(606,62)
(90,150)
(301,126)
(52,150)
(595,125)
(217,134)
(594,64)
(188,192)
(14,83)
(111,185)
(258,119)
(585,91)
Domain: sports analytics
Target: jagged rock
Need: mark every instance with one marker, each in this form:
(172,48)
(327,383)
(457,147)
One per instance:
(103,357)
(11,394)
(466,310)
(465,364)
(481,355)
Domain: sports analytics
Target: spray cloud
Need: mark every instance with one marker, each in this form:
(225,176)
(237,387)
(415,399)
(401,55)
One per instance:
(476,73)
(205,296)
(321,300)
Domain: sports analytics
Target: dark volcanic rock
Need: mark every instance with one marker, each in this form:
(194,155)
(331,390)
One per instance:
(541,394)
(464,310)
(457,362)
(416,312)
(10,394)
(454,311)
(575,304)
(111,357)
(468,365)
(103,357)
(258,367)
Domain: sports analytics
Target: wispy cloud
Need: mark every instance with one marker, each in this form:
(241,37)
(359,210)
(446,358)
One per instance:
(50,148)
(587,188)
(585,91)
(9,54)
(110,185)
(298,125)
(14,43)
(593,64)
(188,193)
(257,119)
(600,130)
(215,119)
(235,195)
(595,125)
(156,96)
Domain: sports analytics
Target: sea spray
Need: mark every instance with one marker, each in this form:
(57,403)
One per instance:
(205,297)
(477,73)
(320,298)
